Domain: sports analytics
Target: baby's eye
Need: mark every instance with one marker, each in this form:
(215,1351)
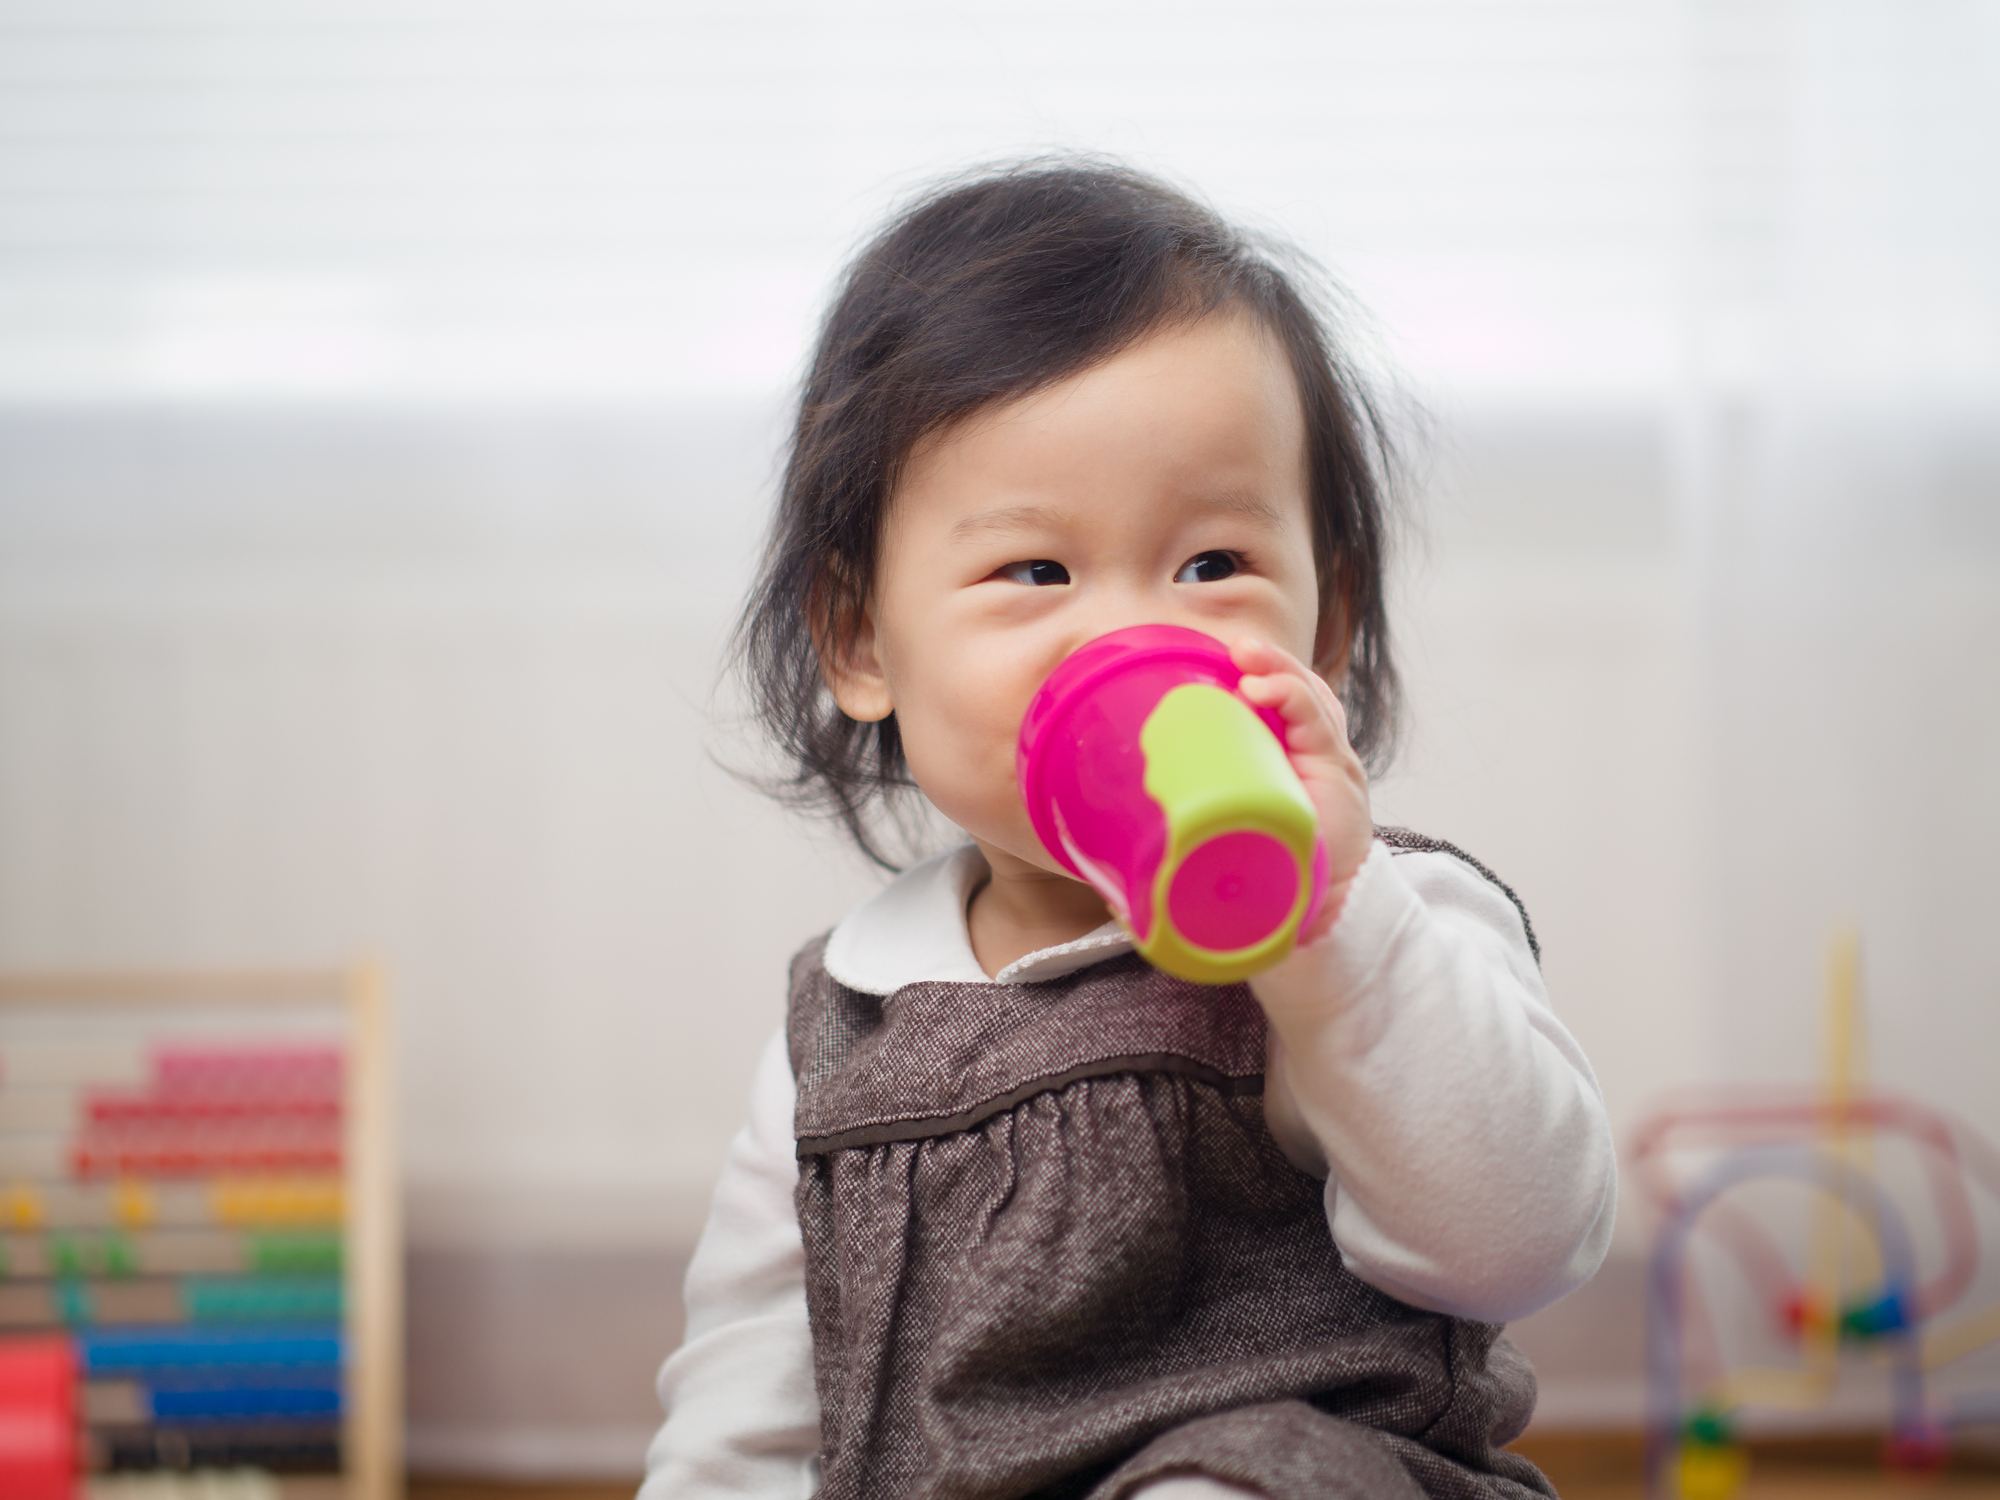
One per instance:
(1208,567)
(1039,571)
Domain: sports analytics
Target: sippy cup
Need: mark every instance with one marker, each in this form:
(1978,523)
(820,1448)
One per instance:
(1146,775)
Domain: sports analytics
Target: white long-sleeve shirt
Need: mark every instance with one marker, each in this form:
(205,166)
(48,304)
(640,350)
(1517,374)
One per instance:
(1414,1063)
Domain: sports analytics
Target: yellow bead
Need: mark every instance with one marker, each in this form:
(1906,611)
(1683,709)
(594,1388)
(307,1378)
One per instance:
(1710,1472)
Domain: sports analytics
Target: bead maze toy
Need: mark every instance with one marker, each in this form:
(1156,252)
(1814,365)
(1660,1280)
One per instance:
(1146,774)
(199,1256)
(1860,1298)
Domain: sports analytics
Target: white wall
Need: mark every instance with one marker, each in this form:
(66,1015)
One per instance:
(442,689)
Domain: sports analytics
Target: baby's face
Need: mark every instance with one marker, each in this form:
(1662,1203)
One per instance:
(1164,486)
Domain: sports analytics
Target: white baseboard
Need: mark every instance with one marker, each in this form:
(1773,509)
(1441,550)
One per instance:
(1601,1403)
(610,1451)
(1590,1404)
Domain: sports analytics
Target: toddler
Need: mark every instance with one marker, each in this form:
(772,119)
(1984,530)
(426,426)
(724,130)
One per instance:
(1014,1214)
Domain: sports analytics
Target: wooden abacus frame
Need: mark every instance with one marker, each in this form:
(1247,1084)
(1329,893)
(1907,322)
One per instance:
(372,1442)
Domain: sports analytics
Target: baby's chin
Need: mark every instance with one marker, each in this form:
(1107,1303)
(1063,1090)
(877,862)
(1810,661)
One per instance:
(1001,829)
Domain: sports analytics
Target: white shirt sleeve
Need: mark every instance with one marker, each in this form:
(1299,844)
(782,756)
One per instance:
(1416,1063)
(742,1413)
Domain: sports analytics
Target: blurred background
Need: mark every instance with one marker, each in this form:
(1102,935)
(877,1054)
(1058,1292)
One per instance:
(390,399)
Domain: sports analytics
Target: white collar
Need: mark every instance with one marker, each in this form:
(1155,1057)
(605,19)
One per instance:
(914,929)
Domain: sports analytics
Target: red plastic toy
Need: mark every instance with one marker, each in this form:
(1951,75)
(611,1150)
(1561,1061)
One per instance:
(37,1419)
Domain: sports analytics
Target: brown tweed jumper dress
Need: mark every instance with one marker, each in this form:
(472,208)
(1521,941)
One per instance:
(1052,1250)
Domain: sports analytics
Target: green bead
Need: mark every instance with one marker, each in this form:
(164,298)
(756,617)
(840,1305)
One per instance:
(316,1253)
(121,1258)
(1709,1428)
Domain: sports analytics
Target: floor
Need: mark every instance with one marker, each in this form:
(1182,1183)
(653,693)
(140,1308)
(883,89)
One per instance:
(1610,1467)
(1588,1469)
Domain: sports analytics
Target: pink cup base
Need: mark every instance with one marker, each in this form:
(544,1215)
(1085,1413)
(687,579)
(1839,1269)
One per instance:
(1233,891)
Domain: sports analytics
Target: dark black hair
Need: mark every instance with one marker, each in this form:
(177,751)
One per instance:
(987,288)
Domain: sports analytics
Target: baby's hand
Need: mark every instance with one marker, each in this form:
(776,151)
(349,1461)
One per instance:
(1316,738)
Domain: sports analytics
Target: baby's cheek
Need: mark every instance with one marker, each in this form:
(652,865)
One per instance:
(954,768)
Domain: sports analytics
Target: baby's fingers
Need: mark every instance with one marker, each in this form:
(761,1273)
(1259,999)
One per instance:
(1308,729)
(1273,678)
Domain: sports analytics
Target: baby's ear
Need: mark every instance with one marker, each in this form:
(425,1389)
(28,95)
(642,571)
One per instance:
(850,664)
